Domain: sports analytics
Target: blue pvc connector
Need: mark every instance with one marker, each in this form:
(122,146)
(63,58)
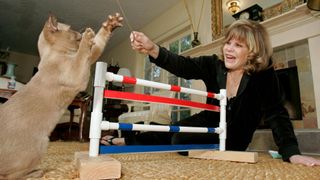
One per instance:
(211,130)
(125,126)
(174,129)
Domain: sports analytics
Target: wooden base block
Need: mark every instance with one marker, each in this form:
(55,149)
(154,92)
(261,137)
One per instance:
(101,167)
(239,156)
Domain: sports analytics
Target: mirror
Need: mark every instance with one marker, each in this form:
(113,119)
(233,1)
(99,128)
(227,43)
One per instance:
(221,17)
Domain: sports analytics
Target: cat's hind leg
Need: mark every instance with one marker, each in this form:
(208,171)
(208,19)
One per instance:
(36,173)
(24,174)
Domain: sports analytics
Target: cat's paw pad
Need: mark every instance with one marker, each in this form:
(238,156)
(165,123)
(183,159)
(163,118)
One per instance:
(89,35)
(113,22)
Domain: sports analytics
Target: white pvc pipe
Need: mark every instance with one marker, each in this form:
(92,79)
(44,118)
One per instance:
(153,84)
(223,123)
(106,125)
(96,115)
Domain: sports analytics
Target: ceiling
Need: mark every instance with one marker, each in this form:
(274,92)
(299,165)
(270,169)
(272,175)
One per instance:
(21,21)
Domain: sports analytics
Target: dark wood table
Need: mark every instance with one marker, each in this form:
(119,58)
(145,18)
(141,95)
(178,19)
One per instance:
(5,94)
(83,103)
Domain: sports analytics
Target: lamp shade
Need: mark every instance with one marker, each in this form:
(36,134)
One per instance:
(124,72)
(314,5)
(10,70)
(233,6)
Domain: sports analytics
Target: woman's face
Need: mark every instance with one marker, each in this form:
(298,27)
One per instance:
(235,54)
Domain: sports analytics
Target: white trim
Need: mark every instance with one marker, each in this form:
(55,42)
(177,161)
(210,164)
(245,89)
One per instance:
(314,44)
(175,30)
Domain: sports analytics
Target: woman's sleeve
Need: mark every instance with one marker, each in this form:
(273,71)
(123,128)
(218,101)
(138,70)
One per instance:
(185,67)
(277,116)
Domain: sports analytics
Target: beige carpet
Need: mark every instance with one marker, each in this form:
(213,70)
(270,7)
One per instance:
(58,164)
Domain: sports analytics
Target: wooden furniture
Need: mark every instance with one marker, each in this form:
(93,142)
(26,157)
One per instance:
(5,94)
(82,102)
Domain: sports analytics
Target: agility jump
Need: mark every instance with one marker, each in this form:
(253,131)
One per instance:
(88,163)
(97,125)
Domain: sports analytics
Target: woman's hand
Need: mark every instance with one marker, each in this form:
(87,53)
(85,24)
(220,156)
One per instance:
(305,160)
(141,43)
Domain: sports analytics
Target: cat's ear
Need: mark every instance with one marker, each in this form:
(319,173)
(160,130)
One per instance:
(50,27)
(52,23)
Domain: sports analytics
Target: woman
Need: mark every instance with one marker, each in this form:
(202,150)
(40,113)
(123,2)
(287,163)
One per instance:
(253,92)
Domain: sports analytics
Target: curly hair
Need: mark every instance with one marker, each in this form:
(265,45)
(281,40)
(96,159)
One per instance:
(257,39)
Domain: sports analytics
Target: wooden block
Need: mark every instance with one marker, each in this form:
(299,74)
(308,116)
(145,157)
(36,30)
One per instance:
(101,167)
(239,156)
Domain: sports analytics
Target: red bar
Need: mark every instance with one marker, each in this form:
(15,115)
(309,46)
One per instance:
(158,99)
(129,80)
(175,88)
(211,95)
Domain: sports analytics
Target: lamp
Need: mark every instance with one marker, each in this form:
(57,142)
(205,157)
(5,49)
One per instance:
(314,5)
(123,72)
(233,6)
(10,70)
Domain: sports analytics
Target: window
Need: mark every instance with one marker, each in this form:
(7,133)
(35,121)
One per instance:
(151,73)
(155,73)
(180,112)
(180,45)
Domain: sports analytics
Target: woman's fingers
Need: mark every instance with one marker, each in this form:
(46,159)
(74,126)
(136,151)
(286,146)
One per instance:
(306,160)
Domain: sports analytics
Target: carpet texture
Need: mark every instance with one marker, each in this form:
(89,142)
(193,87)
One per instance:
(58,164)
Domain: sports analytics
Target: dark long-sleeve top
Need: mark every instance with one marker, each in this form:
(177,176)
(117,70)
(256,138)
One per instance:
(259,96)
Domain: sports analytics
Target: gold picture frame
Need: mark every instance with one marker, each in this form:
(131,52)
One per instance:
(216,19)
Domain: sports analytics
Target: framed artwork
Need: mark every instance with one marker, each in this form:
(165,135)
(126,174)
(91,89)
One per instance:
(216,19)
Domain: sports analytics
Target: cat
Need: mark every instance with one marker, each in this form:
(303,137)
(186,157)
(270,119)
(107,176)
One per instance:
(30,115)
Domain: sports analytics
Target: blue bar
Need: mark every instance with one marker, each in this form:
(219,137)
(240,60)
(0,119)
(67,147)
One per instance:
(174,128)
(125,126)
(154,148)
(211,130)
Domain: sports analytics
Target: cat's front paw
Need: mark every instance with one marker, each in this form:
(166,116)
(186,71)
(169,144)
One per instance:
(88,36)
(113,22)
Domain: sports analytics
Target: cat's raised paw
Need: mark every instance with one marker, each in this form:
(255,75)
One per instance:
(88,35)
(113,22)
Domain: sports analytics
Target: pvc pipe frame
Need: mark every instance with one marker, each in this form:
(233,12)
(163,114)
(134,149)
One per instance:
(96,124)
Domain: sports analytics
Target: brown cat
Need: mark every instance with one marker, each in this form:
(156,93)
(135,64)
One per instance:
(29,116)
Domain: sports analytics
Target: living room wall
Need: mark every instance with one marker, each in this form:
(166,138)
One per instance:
(159,30)
(25,65)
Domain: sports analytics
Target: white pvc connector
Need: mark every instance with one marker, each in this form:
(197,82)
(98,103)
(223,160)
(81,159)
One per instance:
(219,96)
(109,76)
(115,77)
(218,130)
